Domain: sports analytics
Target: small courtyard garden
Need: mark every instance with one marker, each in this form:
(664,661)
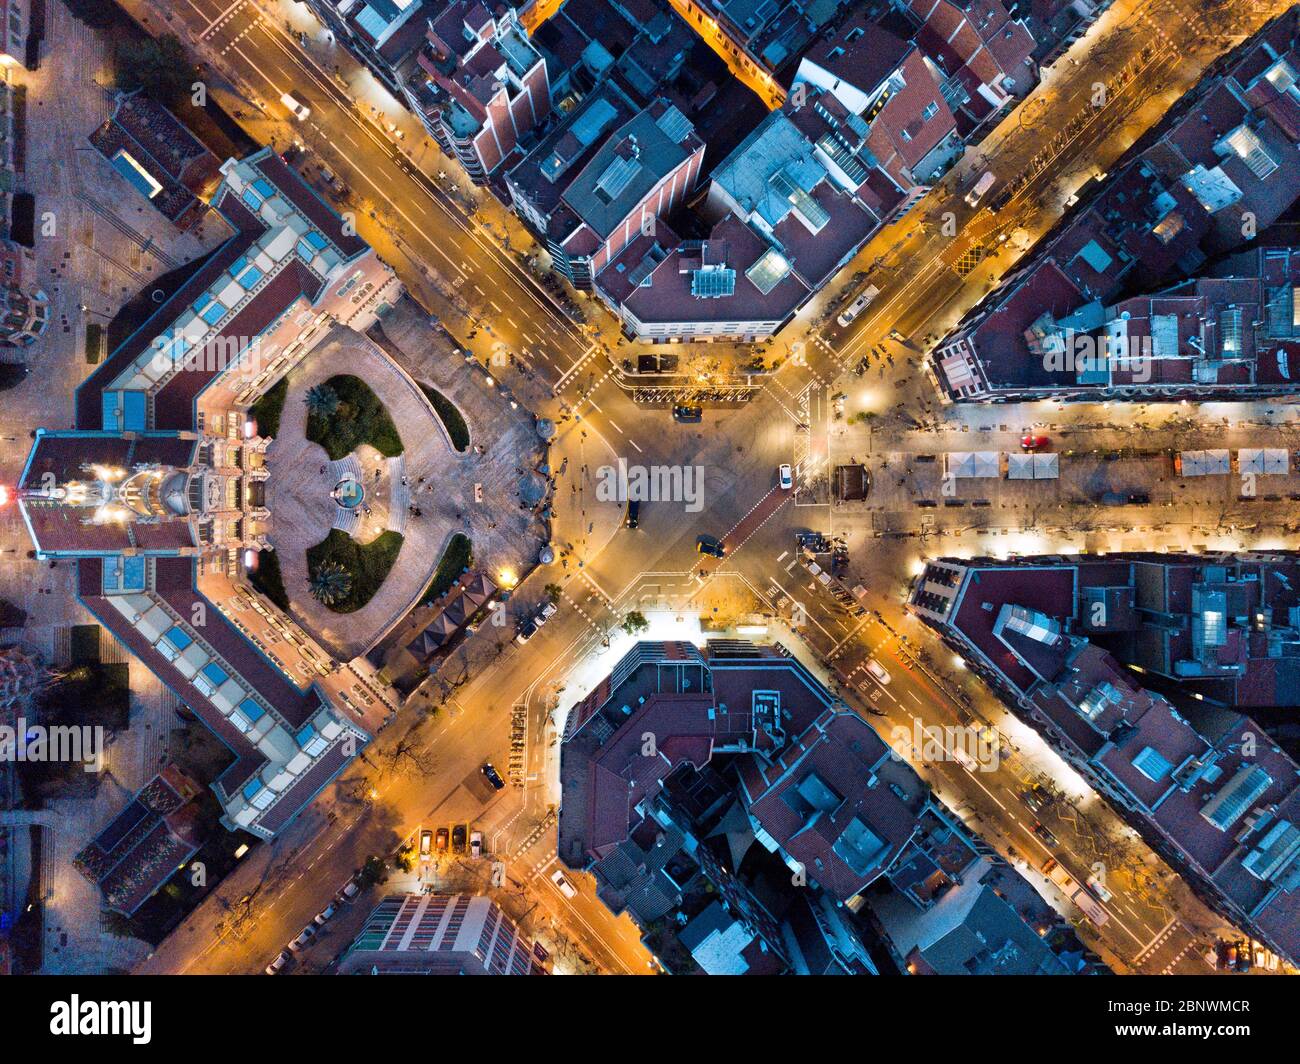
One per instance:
(344,574)
(343,413)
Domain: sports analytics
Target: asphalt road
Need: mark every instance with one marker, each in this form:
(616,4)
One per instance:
(445,256)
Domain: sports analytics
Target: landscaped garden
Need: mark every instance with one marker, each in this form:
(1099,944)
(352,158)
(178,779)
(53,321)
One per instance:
(450,414)
(267,410)
(343,413)
(458,557)
(345,574)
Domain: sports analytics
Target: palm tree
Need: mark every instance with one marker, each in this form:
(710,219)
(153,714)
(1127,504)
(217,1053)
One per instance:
(321,400)
(330,583)
(553,592)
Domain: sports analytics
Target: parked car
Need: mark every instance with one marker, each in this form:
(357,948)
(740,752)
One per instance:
(304,936)
(476,844)
(710,546)
(858,305)
(526,631)
(277,965)
(493,776)
(688,415)
(458,836)
(545,613)
(426,842)
(985,182)
(350,890)
(325,915)
(878,672)
(633,515)
(566,888)
(785,474)
(442,839)
(1033,443)
(1044,833)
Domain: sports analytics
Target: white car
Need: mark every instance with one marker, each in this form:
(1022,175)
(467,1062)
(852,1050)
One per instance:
(297,107)
(277,965)
(350,890)
(476,844)
(325,914)
(305,936)
(787,477)
(964,759)
(877,671)
(545,614)
(566,888)
(1098,888)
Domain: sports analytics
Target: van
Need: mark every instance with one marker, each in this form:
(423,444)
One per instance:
(858,305)
(296,105)
(986,182)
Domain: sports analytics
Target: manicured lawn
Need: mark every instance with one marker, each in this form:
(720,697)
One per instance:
(360,418)
(450,414)
(458,557)
(368,565)
(94,342)
(267,410)
(267,578)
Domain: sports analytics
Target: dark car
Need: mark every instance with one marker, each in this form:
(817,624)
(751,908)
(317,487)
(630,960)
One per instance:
(1043,833)
(1037,797)
(633,516)
(441,839)
(710,546)
(458,835)
(688,415)
(493,776)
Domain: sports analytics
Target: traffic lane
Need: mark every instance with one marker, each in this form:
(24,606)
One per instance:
(616,934)
(374,163)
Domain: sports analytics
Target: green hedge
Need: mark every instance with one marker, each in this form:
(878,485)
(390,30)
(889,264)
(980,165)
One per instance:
(360,418)
(450,414)
(268,579)
(267,410)
(458,557)
(368,564)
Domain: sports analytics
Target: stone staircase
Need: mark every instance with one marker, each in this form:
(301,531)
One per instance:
(399,494)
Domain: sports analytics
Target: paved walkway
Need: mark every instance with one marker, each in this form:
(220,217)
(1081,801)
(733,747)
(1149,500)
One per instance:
(302,478)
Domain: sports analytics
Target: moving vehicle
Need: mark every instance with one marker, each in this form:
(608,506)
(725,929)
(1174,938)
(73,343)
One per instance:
(1044,833)
(964,759)
(493,776)
(1084,901)
(1033,443)
(786,475)
(297,106)
(633,516)
(566,888)
(325,914)
(278,964)
(476,844)
(688,415)
(878,672)
(710,546)
(458,835)
(1037,797)
(987,180)
(858,305)
(426,842)
(304,936)
(1095,885)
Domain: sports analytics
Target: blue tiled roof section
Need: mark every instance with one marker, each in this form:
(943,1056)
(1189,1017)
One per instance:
(213,314)
(251,709)
(252,787)
(215,673)
(305,734)
(178,637)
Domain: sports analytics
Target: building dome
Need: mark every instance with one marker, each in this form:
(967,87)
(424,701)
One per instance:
(172,494)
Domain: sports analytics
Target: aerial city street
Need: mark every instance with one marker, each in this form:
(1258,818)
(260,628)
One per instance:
(650,487)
